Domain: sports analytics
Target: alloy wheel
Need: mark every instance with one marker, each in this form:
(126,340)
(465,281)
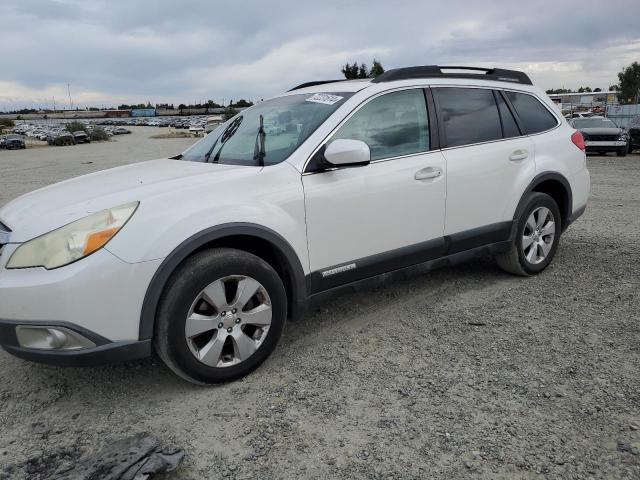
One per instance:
(539,235)
(228,321)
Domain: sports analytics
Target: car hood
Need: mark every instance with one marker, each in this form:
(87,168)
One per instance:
(51,207)
(601,131)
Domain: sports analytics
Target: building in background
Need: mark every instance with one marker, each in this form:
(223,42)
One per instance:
(596,102)
(143,112)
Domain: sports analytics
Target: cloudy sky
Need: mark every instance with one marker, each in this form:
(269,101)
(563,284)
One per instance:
(114,51)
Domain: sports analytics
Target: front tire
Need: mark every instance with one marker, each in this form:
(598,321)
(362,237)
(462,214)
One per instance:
(622,152)
(221,315)
(536,239)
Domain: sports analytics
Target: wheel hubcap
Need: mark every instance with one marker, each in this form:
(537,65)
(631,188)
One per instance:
(538,236)
(228,321)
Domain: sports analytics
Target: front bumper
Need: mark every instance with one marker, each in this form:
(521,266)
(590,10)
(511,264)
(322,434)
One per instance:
(605,146)
(100,295)
(102,353)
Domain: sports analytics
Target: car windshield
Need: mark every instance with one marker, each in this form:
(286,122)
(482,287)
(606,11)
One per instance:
(594,123)
(286,123)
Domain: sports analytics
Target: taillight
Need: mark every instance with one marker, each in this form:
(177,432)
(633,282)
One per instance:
(578,140)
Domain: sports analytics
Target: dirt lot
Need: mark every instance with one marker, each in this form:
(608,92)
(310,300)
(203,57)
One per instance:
(461,373)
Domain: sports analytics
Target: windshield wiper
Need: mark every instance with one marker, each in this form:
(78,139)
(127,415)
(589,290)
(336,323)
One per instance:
(226,135)
(259,151)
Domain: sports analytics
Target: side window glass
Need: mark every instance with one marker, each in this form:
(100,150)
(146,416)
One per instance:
(469,115)
(392,125)
(509,126)
(534,116)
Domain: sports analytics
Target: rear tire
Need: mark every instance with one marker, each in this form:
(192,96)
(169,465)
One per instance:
(536,237)
(622,152)
(206,330)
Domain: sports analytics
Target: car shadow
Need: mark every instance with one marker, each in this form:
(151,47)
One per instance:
(429,285)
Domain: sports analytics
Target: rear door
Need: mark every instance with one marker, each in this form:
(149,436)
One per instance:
(487,159)
(367,220)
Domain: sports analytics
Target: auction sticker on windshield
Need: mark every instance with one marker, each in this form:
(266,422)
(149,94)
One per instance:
(324,98)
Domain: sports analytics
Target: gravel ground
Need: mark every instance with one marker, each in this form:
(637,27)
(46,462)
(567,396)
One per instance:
(461,373)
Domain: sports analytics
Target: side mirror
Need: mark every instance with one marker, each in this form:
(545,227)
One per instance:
(347,153)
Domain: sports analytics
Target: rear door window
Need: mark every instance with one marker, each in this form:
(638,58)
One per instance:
(469,115)
(534,116)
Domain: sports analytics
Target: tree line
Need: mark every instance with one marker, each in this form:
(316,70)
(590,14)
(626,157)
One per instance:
(353,71)
(242,103)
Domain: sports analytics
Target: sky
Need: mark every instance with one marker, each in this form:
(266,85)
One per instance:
(168,51)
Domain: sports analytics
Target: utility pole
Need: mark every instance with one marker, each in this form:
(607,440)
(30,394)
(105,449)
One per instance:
(54,104)
(69,92)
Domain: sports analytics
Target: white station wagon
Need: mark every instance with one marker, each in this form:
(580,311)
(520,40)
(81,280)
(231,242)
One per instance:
(332,185)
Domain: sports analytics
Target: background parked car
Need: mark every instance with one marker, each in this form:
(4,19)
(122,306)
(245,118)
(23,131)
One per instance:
(81,136)
(13,142)
(570,116)
(633,131)
(601,135)
(61,139)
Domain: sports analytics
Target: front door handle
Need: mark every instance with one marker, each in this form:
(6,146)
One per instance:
(518,155)
(427,173)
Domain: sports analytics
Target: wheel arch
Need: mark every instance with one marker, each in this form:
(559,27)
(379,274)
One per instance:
(256,239)
(557,187)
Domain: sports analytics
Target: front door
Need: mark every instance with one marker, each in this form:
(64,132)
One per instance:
(367,220)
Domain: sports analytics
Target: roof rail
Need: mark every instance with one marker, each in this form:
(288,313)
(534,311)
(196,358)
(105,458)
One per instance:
(313,84)
(435,71)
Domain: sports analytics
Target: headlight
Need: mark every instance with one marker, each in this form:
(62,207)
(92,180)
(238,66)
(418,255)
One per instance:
(73,241)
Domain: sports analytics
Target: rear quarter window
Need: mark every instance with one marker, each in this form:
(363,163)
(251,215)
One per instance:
(533,115)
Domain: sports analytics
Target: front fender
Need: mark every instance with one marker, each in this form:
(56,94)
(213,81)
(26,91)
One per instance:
(192,244)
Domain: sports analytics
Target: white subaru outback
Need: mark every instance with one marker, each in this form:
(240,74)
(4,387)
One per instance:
(204,256)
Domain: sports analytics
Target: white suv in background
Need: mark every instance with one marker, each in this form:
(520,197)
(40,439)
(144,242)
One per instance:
(331,185)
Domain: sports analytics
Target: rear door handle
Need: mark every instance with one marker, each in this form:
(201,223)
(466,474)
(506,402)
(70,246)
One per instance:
(427,173)
(518,155)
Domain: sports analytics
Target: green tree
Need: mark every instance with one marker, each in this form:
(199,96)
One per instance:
(350,71)
(75,127)
(229,113)
(376,69)
(98,135)
(557,91)
(7,122)
(629,84)
(242,103)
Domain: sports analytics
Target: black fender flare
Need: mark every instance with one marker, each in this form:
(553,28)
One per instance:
(537,180)
(200,239)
